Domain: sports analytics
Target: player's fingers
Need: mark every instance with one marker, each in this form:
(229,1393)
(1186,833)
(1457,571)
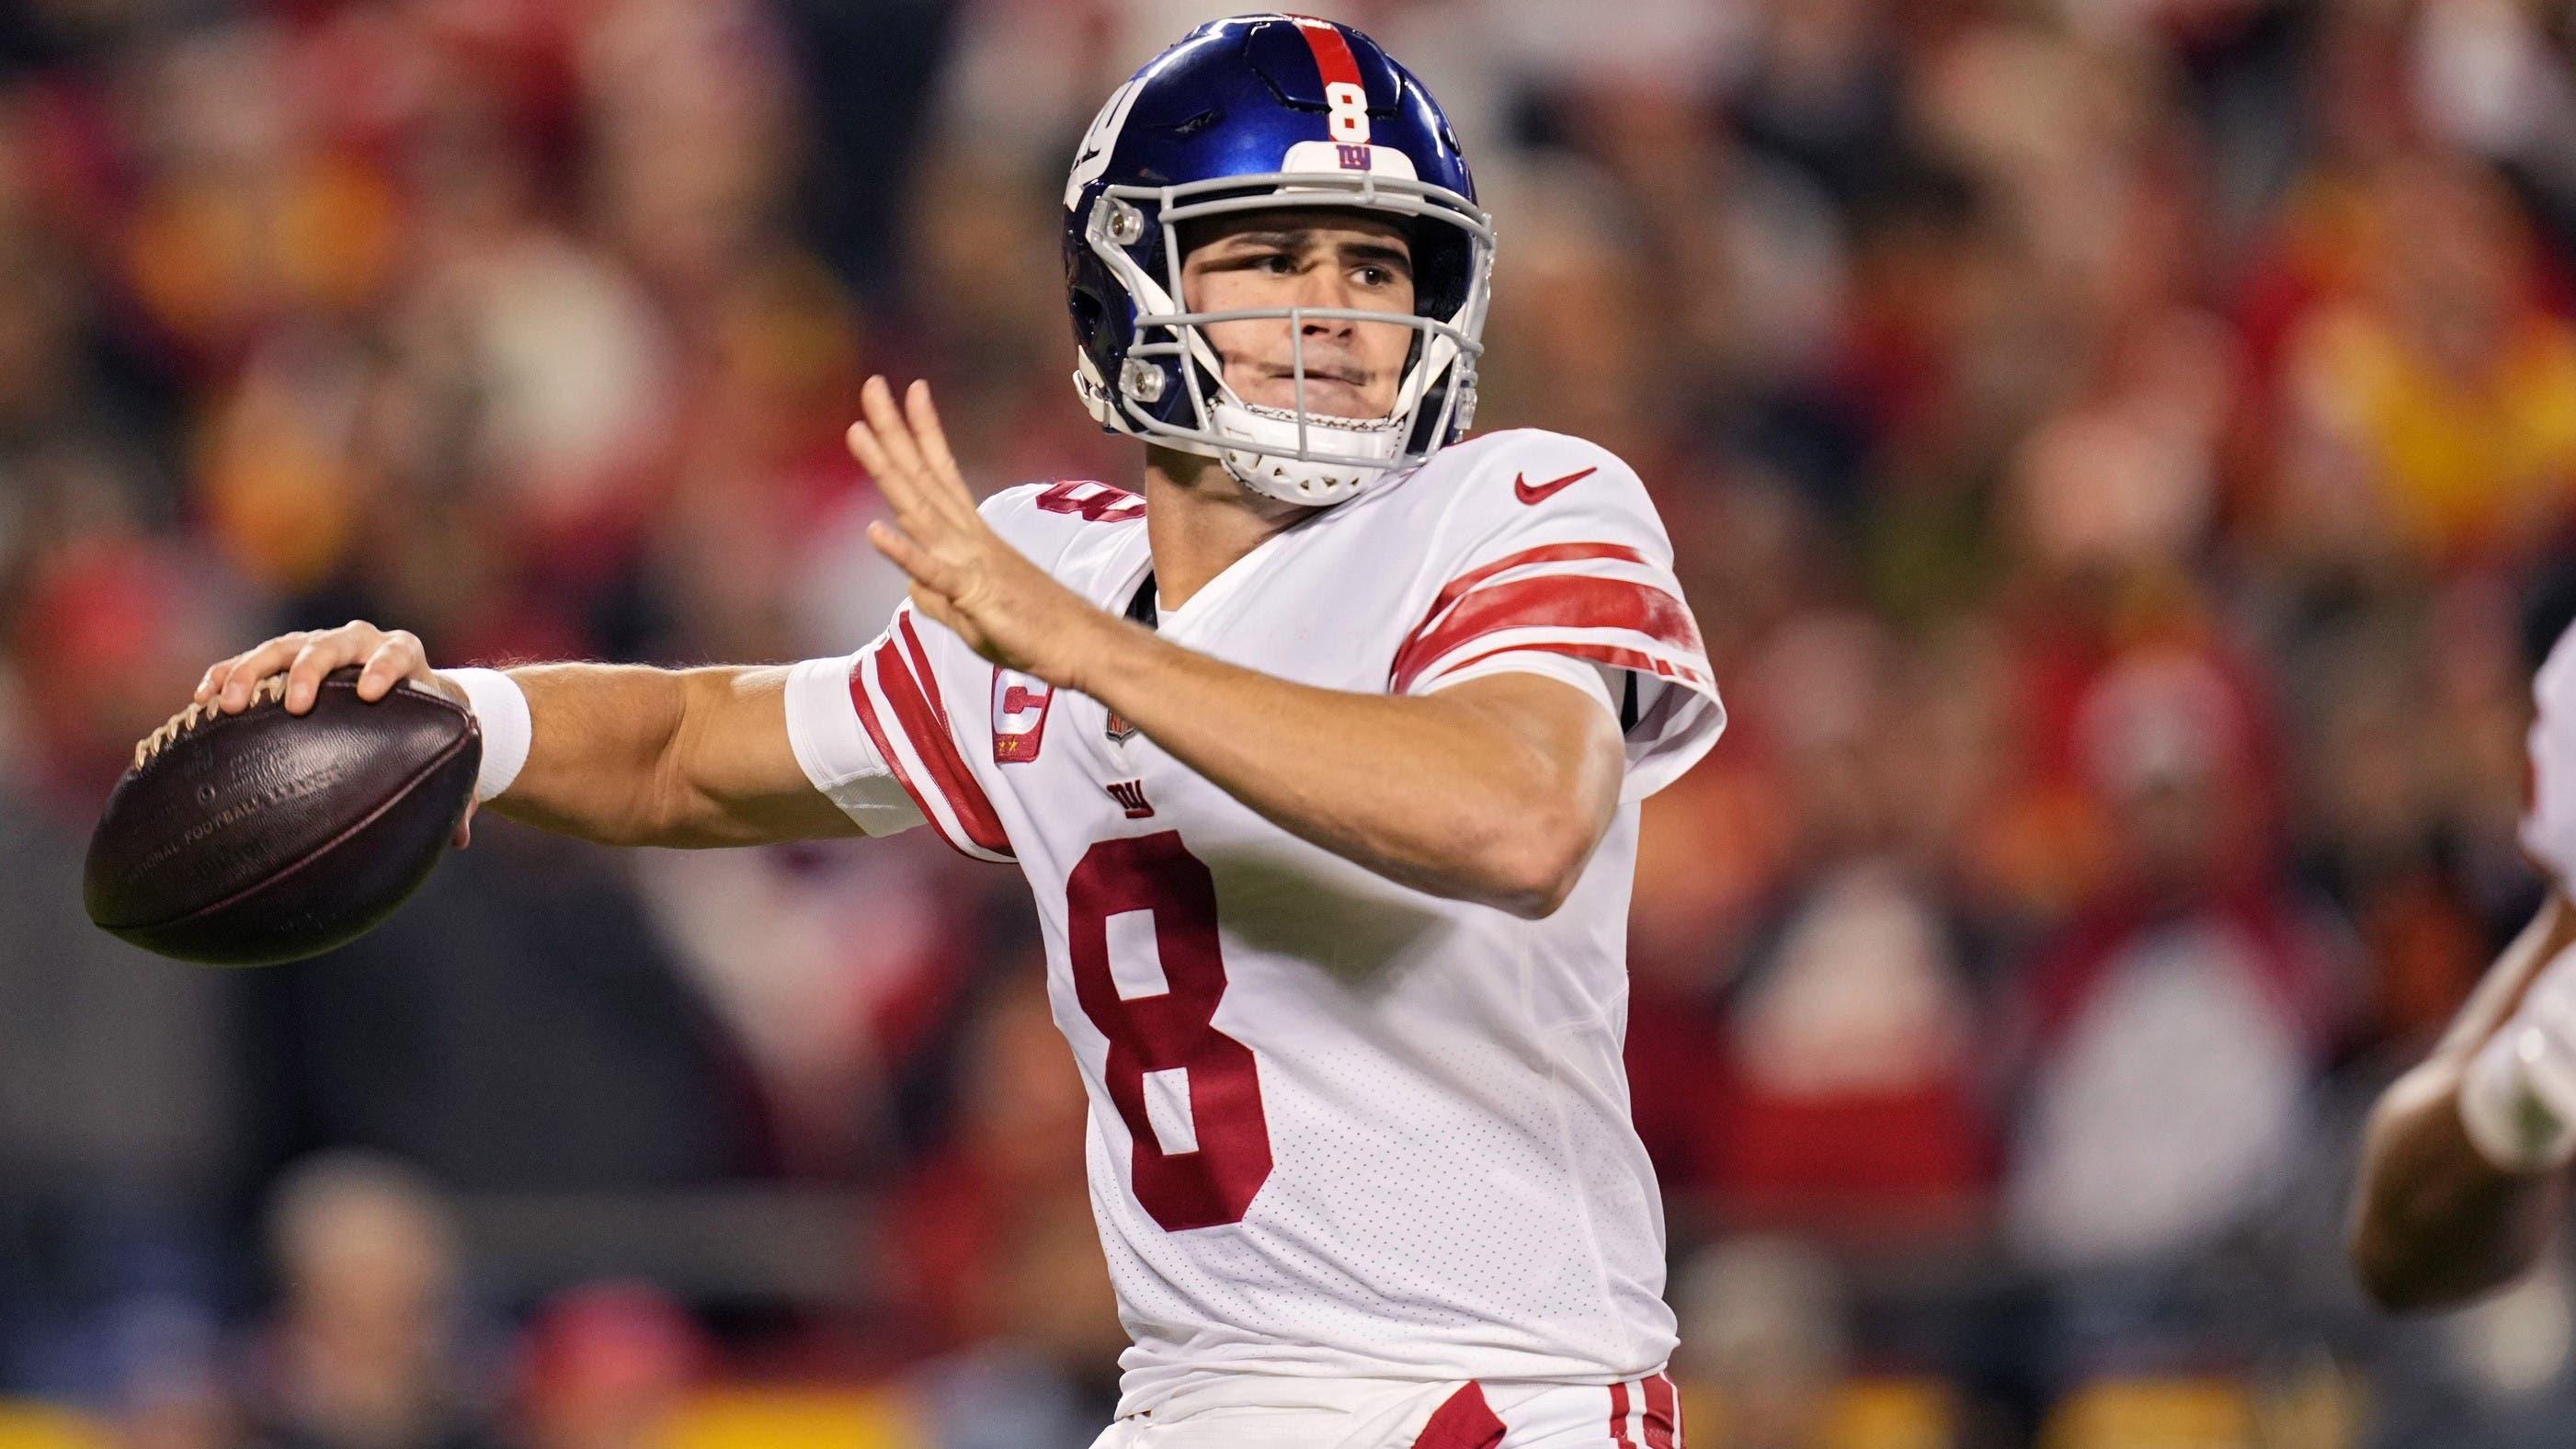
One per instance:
(945,480)
(320,655)
(923,565)
(465,824)
(872,456)
(304,676)
(398,658)
(893,485)
(943,609)
(244,671)
(211,683)
(877,405)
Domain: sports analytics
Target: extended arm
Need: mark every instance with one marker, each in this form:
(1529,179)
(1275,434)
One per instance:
(620,754)
(2435,1220)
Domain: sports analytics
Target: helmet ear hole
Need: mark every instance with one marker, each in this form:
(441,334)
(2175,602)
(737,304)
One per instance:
(1087,313)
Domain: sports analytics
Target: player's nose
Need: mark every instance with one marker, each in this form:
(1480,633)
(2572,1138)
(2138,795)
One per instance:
(1325,287)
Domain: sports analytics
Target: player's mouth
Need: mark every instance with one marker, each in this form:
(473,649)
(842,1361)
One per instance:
(1334,390)
(1348,376)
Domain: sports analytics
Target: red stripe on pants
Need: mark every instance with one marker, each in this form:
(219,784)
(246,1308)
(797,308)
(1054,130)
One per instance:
(1663,1414)
(1463,1421)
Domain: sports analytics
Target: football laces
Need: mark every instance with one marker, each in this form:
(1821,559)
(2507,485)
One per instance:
(187,720)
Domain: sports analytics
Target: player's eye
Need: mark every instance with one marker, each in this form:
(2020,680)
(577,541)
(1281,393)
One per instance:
(1373,275)
(1276,264)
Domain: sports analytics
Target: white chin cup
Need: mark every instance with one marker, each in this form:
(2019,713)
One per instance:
(1270,466)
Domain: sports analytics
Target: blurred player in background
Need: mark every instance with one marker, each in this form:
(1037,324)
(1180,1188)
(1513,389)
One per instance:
(2464,1169)
(1322,757)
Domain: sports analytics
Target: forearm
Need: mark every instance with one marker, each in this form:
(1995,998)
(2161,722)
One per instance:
(1436,792)
(631,755)
(2434,1221)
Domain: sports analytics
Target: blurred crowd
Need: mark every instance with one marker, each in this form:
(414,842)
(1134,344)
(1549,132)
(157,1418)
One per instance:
(2122,454)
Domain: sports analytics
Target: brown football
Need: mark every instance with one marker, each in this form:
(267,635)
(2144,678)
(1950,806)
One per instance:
(260,837)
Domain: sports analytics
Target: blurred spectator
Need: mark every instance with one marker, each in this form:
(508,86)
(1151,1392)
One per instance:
(998,1249)
(604,1367)
(2435,405)
(365,1348)
(1843,1094)
(521,1028)
(120,1090)
(2170,1032)
(1762,1329)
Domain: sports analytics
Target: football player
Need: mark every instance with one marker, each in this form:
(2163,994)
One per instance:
(1322,757)
(2464,1164)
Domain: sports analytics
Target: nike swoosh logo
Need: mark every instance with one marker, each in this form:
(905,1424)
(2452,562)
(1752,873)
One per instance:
(1540,494)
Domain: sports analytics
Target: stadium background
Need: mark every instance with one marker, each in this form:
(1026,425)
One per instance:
(2120,452)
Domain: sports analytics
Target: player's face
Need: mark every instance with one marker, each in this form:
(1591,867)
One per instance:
(1297,257)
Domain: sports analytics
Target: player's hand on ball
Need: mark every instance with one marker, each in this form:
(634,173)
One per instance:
(387,658)
(1005,607)
(302,659)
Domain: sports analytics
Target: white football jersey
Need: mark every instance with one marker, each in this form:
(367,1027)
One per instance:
(1340,1129)
(2549,827)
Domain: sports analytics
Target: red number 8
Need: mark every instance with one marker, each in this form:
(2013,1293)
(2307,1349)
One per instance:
(1172,1031)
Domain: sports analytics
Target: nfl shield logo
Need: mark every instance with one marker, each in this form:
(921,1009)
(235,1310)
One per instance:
(1119,730)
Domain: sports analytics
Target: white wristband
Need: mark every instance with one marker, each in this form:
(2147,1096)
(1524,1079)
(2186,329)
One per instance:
(501,708)
(2512,1126)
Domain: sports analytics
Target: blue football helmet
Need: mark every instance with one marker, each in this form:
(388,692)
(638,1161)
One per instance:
(1250,114)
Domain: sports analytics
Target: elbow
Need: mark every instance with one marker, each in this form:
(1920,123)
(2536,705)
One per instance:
(672,807)
(1530,872)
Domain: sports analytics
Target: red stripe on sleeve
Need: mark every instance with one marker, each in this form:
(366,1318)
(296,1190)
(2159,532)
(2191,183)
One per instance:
(1333,59)
(1610,654)
(1544,553)
(1463,1421)
(922,671)
(885,747)
(948,769)
(1563,602)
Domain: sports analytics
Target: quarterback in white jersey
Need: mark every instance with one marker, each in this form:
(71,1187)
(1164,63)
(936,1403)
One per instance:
(1340,1128)
(1322,756)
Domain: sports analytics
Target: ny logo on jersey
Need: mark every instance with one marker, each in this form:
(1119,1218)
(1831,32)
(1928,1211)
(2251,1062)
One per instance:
(1130,795)
(1020,704)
